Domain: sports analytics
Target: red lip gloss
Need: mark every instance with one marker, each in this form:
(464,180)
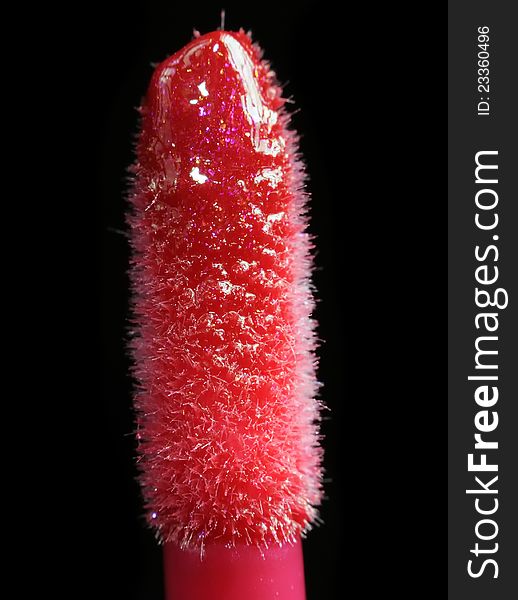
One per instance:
(223,344)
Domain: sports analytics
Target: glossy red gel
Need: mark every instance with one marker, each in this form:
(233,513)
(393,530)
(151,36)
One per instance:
(223,339)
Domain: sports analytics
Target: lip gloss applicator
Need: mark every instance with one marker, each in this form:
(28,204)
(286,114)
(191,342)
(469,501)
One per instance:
(223,341)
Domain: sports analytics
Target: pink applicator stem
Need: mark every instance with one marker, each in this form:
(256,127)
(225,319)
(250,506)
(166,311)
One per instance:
(240,573)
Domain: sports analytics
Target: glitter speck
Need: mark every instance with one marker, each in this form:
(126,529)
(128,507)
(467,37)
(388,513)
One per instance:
(203,89)
(197,176)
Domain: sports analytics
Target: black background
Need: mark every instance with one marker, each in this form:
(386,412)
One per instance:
(296,43)
(368,82)
(293,42)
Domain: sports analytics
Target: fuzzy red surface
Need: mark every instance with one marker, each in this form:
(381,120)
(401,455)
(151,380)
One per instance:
(223,340)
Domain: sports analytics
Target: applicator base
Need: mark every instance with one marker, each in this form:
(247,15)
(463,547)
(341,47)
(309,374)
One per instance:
(240,573)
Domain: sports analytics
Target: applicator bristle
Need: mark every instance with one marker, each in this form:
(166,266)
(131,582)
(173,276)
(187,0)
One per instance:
(224,342)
